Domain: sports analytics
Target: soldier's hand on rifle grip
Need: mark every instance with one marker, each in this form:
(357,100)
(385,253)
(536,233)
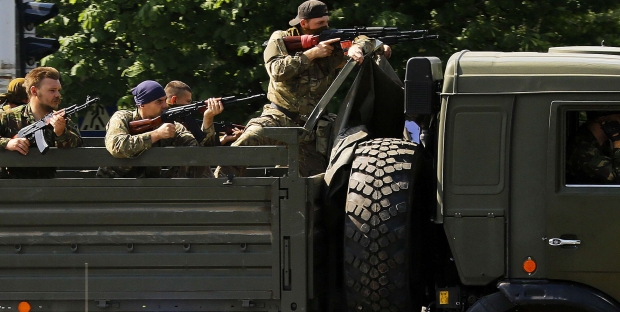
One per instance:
(58,122)
(229,138)
(165,131)
(20,145)
(323,49)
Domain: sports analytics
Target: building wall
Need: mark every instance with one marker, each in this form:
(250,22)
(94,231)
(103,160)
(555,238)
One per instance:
(7,34)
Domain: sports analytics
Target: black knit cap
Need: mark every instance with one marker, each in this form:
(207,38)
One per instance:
(147,91)
(309,9)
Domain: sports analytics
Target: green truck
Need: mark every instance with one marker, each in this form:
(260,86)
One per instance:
(477,217)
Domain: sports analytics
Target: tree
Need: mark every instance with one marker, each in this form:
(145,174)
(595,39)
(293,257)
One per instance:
(109,46)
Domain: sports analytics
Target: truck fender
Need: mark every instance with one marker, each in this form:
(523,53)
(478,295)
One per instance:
(549,293)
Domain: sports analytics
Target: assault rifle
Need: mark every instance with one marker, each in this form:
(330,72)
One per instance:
(226,127)
(35,130)
(180,114)
(387,35)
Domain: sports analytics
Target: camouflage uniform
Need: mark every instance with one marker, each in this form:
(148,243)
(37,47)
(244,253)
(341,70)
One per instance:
(12,121)
(295,87)
(590,163)
(121,144)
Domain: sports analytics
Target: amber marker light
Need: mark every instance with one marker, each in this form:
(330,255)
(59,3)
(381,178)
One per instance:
(23,307)
(529,265)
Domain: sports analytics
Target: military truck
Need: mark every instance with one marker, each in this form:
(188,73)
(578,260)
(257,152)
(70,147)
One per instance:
(478,217)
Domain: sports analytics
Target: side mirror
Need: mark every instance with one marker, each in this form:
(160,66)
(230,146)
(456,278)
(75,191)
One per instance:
(423,79)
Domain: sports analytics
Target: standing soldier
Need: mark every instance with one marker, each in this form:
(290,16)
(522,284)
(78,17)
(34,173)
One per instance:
(297,82)
(15,95)
(43,87)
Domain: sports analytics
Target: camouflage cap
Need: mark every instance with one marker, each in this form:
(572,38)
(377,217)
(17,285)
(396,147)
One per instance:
(309,9)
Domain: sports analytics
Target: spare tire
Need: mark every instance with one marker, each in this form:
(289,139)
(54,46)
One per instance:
(381,245)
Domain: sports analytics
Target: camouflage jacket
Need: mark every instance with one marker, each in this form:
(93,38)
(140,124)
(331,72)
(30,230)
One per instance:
(296,83)
(15,119)
(590,163)
(121,144)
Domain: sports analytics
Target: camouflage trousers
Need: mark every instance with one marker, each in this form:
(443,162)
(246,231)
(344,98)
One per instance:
(311,162)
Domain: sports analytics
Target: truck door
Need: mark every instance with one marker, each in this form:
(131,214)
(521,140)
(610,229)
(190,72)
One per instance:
(581,242)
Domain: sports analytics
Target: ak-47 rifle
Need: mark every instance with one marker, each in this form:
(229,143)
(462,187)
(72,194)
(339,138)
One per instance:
(387,35)
(180,113)
(226,127)
(35,130)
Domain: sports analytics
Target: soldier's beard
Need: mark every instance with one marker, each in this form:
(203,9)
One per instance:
(315,31)
(49,106)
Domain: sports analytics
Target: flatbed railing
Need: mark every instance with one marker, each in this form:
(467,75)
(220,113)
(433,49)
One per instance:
(97,156)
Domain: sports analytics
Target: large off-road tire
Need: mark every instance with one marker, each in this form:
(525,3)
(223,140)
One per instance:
(380,256)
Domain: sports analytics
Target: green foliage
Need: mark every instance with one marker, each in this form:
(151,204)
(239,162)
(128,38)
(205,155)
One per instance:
(109,46)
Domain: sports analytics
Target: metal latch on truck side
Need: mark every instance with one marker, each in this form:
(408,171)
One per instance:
(564,242)
(283,193)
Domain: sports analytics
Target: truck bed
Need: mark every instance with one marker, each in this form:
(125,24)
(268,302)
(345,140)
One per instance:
(75,244)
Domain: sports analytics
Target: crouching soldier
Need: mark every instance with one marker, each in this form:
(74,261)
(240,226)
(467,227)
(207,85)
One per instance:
(150,100)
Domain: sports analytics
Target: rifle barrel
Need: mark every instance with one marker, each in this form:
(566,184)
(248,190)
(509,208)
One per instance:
(232,99)
(389,35)
(77,107)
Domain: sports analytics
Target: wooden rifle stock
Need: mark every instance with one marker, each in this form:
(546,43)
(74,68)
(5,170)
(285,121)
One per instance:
(295,44)
(144,125)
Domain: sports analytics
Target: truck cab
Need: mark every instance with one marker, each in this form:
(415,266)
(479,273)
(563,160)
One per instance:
(510,216)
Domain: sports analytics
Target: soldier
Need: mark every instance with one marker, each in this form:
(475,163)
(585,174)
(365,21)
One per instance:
(594,152)
(15,95)
(297,83)
(43,87)
(150,99)
(179,93)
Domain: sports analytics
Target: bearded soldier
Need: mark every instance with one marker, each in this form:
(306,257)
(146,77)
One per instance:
(43,87)
(297,81)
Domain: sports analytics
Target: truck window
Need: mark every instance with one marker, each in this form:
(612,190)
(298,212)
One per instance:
(590,152)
